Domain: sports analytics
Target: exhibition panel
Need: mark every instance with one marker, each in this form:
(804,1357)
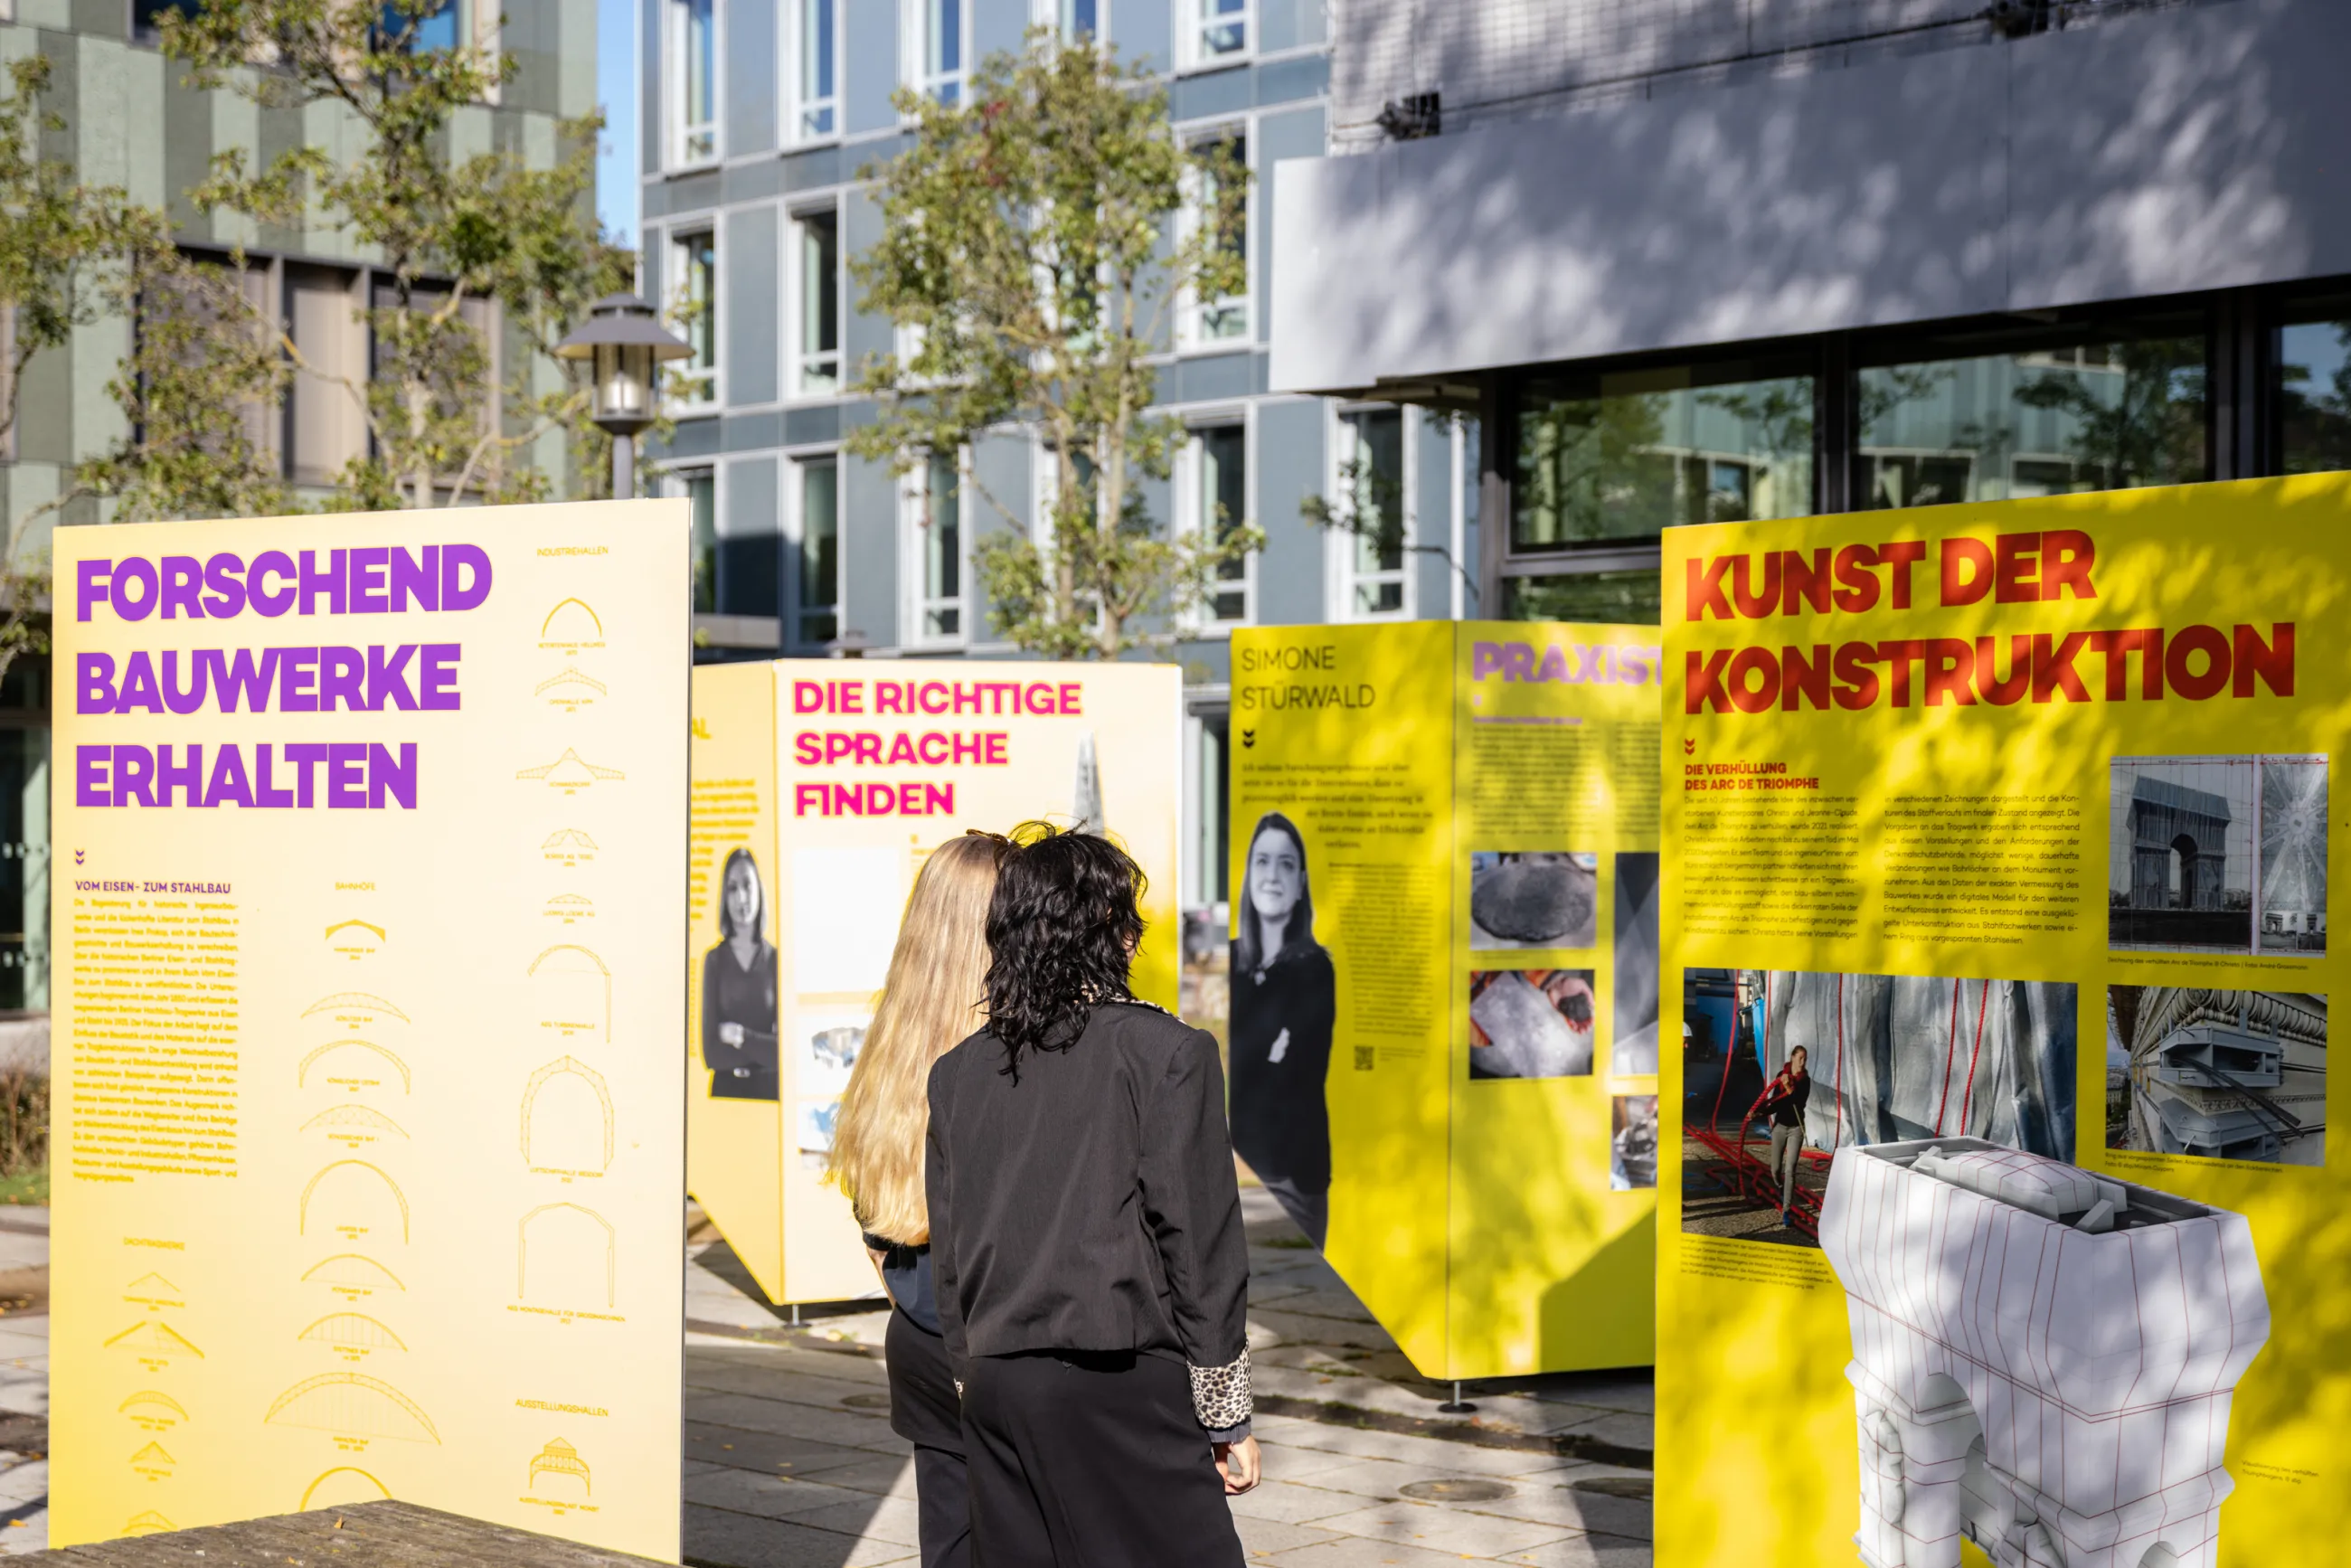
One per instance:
(2000,1227)
(1445,976)
(818,789)
(369,1132)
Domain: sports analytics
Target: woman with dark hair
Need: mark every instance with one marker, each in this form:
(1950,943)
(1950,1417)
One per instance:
(1284,999)
(738,990)
(1086,1243)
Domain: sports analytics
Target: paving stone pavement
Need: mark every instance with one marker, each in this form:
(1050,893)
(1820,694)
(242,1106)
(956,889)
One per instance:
(789,1461)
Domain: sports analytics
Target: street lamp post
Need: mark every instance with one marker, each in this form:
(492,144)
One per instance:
(627,343)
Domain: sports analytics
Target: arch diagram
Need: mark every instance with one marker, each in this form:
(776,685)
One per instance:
(571,907)
(302,1073)
(572,623)
(566,1263)
(350,1115)
(353,1272)
(355,939)
(560,1458)
(568,838)
(354,1330)
(152,1456)
(354,1002)
(585,985)
(392,1186)
(571,677)
(566,1067)
(354,1404)
(570,773)
(154,1337)
(153,1400)
(151,1284)
(147,1523)
(358,1486)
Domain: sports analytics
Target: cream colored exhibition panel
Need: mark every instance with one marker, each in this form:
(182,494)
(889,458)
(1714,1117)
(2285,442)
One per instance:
(368,1130)
(835,779)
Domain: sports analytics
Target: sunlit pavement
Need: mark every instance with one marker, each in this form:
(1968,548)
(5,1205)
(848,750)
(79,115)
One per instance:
(790,1463)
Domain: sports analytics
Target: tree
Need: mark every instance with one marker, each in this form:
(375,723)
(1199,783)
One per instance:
(57,236)
(204,376)
(453,235)
(1035,251)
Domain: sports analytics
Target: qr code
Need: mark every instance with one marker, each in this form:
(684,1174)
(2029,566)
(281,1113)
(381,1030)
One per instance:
(1363,1059)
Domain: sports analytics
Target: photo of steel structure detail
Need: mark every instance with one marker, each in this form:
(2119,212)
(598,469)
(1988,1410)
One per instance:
(2225,1074)
(2042,1357)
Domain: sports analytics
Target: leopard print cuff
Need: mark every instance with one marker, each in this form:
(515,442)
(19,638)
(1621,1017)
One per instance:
(1220,1394)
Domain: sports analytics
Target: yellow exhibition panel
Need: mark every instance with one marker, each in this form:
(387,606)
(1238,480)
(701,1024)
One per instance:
(818,789)
(2011,823)
(368,1128)
(1444,975)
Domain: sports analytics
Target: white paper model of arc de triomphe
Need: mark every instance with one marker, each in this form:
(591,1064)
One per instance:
(2042,1358)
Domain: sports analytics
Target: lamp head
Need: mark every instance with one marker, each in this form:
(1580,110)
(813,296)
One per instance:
(626,343)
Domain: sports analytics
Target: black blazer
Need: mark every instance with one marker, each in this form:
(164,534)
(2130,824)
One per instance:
(1089,1204)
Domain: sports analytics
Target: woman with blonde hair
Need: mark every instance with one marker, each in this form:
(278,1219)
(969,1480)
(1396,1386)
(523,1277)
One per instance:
(933,999)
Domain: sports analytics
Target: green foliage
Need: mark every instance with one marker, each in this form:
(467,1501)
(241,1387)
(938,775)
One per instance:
(25,1127)
(199,388)
(1034,255)
(57,236)
(453,235)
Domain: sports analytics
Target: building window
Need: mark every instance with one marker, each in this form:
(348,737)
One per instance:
(700,488)
(326,428)
(817,321)
(1220,496)
(693,310)
(1218,31)
(1074,19)
(1625,597)
(817,593)
(2002,416)
(1602,463)
(694,80)
(933,32)
(1222,320)
(1371,452)
(1610,459)
(2313,389)
(428,32)
(938,526)
(816,55)
(146,17)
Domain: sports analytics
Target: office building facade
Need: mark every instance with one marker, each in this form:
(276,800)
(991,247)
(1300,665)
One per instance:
(759,117)
(1728,261)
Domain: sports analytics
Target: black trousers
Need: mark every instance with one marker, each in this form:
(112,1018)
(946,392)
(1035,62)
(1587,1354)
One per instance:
(924,1411)
(1087,1460)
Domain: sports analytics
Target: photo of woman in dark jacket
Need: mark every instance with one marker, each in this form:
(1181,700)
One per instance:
(1284,1000)
(738,990)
